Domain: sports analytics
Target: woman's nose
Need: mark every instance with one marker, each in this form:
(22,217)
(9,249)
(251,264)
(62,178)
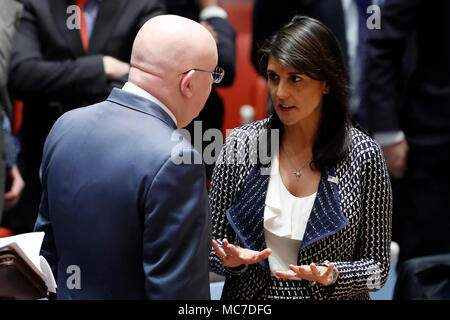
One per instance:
(281,91)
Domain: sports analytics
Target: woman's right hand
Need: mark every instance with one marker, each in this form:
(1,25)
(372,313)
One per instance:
(233,256)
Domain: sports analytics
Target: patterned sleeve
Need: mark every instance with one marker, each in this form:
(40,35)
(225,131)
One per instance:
(369,270)
(224,185)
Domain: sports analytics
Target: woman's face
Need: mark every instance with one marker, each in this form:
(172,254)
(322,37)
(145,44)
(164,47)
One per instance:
(295,96)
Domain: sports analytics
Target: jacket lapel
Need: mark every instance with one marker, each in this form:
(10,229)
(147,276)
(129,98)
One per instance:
(107,17)
(140,104)
(246,215)
(61,16)
(326,217)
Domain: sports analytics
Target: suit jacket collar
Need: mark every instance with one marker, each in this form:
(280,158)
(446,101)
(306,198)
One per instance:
(246,215)
(138,103)
(107,17)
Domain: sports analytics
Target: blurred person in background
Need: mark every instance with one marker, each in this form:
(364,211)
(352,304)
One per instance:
(11,182)
(67,54)
(411,119)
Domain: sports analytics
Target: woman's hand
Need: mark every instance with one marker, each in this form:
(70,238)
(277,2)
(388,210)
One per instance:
(233,256)
(320,274)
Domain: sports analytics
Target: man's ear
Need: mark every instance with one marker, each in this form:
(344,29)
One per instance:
(186,84)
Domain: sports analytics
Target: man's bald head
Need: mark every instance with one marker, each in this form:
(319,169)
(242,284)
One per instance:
(170,42)
(165,47)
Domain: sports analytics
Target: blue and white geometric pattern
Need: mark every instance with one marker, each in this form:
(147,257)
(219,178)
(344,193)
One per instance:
(350,224)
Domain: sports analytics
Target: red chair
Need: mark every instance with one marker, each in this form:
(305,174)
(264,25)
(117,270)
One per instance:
(5,232)
(17,116)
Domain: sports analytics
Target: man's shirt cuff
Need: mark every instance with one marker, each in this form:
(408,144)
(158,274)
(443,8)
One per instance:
(389,138)
(213,12)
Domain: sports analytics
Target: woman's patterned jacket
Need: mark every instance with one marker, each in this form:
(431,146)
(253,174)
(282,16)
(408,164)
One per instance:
(350,224)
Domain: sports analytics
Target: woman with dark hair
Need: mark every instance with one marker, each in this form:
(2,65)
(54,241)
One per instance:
(302,200)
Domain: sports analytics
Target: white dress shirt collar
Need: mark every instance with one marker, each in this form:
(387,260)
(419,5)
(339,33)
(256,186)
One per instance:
(132,88)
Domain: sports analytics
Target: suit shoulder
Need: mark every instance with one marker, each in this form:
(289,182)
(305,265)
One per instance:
(74,114)
(364,146)
(243,141)
(250,129)
(362,138)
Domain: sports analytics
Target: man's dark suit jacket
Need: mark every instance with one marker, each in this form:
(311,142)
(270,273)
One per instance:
(269,16)
(119,204)
(420,107)
(424,115)
(424,278)
(51,72)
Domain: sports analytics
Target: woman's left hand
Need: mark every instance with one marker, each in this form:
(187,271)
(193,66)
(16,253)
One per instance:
(320,274)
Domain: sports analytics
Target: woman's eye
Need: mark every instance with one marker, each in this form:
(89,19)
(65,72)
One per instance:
(296,78)
(272,76)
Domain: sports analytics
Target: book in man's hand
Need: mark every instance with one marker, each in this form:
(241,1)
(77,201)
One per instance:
(24,275)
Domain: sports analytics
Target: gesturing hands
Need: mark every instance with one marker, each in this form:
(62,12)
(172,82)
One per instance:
(233,256)
(320,274)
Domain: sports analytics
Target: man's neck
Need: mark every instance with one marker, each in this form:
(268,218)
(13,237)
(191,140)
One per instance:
(133,88)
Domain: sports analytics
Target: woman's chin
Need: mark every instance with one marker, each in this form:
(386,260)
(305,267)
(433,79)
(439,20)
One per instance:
(287,118)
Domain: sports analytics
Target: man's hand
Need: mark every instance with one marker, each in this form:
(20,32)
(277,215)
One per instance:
(233,256)
(396,157)
(320,274)
(211,30)
(208,3)
(114,68)
(12,196)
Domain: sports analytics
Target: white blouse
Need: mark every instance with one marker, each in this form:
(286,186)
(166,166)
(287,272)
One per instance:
(285,219)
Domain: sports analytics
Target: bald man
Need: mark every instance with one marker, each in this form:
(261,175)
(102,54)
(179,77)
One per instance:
(123,218)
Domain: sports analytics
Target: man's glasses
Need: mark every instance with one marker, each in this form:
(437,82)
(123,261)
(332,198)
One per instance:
(217,74)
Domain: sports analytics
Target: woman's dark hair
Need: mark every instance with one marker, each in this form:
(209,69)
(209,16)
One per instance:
(310,47)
